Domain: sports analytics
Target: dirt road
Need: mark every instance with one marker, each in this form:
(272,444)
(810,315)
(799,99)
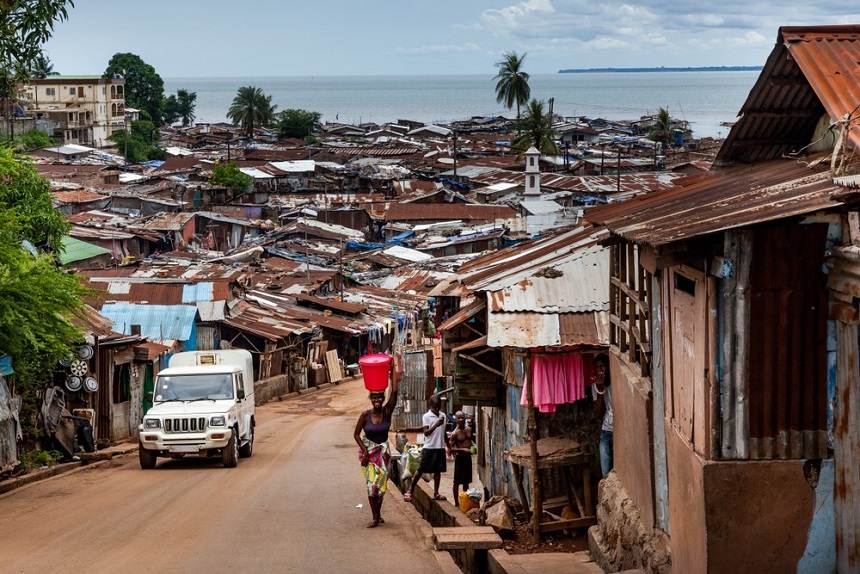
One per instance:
(289,508)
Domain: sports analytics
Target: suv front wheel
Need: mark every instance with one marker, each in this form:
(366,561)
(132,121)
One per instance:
(147,458)
(230,453)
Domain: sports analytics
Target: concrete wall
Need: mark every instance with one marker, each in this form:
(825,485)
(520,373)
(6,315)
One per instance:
(749,516)
(631,404)
(759,515)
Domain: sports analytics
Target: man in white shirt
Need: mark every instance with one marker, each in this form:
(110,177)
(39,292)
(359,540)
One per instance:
(433,453)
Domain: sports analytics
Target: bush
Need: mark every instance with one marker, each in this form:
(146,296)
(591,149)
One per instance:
(33,459)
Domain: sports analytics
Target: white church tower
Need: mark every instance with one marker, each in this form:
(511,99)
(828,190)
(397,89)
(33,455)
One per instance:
(532,172)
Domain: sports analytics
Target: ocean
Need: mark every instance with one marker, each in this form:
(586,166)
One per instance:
(705,99)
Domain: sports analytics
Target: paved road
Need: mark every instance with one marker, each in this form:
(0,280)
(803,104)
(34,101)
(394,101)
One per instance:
(289,508)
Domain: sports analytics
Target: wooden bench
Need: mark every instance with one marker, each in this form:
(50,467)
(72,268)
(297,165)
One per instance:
(476,538)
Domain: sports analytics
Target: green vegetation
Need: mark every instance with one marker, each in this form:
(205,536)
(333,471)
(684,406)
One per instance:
(24,26)
(33,459)
(144,88)
(140,144)
(297,123)
(180,107)
(42,68)
(535,129)
(38,301)
(661,129)
(251,108)
(34,139)
(229,176)
(512,85)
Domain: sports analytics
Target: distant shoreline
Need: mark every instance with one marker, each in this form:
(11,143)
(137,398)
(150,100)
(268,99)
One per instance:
(661,69)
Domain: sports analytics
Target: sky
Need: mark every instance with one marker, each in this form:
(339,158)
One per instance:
(226,38)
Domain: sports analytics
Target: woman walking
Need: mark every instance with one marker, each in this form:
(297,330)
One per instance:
(375,454)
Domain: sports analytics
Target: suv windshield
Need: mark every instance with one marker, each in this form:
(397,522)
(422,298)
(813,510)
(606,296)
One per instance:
(193,387)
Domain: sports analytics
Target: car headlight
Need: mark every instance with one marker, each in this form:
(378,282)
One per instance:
(152,423)
(219,421)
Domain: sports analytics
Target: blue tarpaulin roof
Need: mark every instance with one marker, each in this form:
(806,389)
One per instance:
(396,240)
(158,322)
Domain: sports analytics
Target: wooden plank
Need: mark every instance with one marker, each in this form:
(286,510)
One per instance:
(727,387)
(741,366)
(335,372)
(466,538)
(555,525)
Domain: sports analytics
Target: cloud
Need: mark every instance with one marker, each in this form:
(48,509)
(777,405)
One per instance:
(440,49)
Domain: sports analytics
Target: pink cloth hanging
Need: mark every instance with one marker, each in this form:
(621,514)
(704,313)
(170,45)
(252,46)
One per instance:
(558,379)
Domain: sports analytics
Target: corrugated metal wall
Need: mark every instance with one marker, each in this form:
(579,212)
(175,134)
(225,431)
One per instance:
(8,427)
(412,391)
(788,343)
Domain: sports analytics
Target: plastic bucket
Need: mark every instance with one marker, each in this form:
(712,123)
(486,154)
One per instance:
(375,369)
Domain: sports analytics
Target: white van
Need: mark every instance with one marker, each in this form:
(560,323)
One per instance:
(203,404)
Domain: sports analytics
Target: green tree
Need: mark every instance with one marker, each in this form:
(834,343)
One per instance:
(180,107)
(230,176)
(512,83)
(25,25)
(297,123)
(662,128)
(34,139)
(38,301)
(42,68)
(144,88)
(535,129)
(140,143)
(251,108)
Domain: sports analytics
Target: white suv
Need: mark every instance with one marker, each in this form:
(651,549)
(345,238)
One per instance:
(201,406)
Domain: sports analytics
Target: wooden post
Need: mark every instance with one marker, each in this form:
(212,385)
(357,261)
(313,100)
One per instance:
(537,503)
(741,364)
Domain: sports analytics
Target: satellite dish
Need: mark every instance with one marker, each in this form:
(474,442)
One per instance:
(91,385)
(74,384)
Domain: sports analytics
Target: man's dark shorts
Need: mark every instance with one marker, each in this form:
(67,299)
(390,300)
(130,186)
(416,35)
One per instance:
(432,460)
(462,468)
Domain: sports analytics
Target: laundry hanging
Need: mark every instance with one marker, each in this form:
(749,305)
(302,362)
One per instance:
(558,379)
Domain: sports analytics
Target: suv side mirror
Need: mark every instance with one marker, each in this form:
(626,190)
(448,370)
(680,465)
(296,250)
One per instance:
(240,394)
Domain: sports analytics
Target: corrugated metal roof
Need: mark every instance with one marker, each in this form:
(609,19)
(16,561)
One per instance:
(197,292)
(158,322)
(726,199)
(811,70)
(447,211)
(523,330)
(507,266)
(76,250)
(576,283)
(211,310)
(81,196)
(169,221)
(352,308)
(589,184)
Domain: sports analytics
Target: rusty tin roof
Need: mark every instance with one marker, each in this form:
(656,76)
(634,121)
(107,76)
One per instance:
(811,70)
(726,199)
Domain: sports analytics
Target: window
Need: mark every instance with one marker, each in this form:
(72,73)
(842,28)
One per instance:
(73,91)
(531,181)
(531,161)
(50,91)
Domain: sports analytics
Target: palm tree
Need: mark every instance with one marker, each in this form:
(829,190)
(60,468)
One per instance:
(42,68)
(535,129)
(662,128)
(251,108)
(512,87)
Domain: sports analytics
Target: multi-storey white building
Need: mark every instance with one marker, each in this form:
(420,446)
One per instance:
(77,109)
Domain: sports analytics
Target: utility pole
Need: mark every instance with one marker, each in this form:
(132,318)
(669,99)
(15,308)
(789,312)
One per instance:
(455,154)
